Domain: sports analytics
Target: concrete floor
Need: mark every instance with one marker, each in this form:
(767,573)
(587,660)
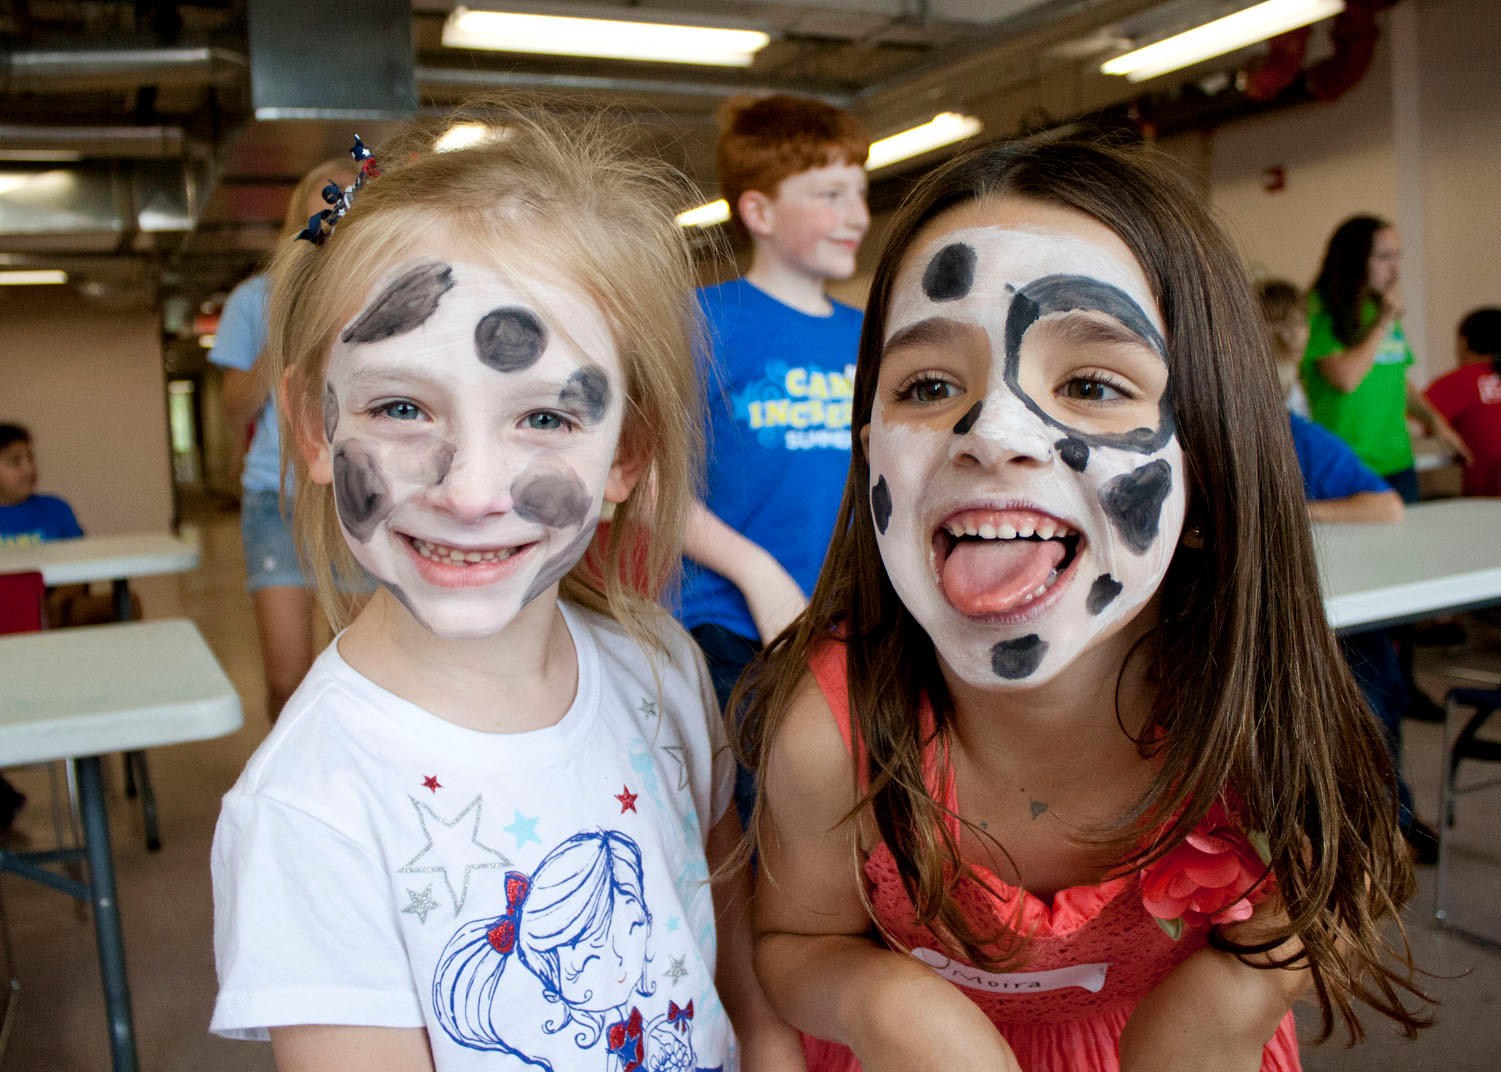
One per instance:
(58,1023)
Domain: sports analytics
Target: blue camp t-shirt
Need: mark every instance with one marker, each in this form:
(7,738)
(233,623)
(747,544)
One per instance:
(780,398)
(1330,468)
(37,519)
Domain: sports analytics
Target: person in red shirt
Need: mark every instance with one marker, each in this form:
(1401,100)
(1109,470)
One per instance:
(1470,398)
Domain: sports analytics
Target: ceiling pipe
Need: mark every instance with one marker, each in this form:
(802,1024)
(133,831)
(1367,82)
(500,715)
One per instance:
(116,142)
(474,79)
(123,67)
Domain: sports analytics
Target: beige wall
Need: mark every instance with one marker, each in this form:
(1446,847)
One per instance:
(87,380)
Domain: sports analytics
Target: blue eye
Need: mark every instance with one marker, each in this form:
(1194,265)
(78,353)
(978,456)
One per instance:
(545,420)
(400,410)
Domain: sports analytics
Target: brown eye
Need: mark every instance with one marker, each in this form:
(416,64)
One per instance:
(930,391)
(1088,390)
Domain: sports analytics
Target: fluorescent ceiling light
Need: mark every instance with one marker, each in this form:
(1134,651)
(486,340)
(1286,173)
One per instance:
(1244,27)
(461,136)
(561,35)
(705,215)
(943,129)
(32,277)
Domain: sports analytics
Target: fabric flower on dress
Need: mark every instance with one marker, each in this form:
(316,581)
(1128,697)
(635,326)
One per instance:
(1214,875)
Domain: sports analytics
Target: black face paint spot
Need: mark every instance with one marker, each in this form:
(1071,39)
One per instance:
(1134,500)
(361,495)
(557,567)
(1012,659)
(404,305)
(330,412)
(1069,293)
(1074,452)
(553,498)
(950,273)
(880,504)
(587,392)
(509,339)
(1102,593)
(966,422)
(439,460)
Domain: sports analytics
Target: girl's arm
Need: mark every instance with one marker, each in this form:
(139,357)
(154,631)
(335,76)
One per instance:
(821,968)
(1427,414)
(341,1048)
(1346,368)
(1213,1010)
(766,1041)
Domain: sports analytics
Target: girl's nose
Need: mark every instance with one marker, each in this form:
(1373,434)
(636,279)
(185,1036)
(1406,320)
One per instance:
(477,481)
(1005,431)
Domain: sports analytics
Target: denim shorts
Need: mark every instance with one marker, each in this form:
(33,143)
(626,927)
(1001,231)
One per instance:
(270,555)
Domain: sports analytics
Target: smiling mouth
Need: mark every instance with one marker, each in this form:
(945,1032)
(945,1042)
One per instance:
(460,556)
(993,562)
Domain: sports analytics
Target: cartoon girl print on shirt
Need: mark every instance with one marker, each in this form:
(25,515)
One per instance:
(579,925)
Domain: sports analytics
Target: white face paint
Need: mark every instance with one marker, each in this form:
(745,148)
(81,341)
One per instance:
(1026,481)
(472,427)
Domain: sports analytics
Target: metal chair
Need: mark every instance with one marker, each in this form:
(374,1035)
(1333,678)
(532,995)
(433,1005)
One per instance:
(1466,744)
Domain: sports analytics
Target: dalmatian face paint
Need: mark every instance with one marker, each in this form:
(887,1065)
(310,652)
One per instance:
(472,427)
(1027,483)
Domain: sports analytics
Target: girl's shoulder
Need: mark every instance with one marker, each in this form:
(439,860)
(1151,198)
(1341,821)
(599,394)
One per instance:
(665,659)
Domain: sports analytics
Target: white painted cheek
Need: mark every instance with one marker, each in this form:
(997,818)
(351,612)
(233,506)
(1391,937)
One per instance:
(909,460)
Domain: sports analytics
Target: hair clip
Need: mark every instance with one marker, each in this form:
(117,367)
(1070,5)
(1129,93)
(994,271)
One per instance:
(321,224)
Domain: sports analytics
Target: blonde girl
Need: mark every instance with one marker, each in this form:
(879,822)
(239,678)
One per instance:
(485,349)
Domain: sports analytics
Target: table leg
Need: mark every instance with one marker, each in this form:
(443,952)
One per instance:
(121,592)
(136,761)
(107,932)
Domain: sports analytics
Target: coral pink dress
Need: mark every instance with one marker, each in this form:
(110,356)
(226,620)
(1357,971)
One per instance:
(1094,951)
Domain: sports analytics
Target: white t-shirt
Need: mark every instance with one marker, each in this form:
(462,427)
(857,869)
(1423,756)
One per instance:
(534,900)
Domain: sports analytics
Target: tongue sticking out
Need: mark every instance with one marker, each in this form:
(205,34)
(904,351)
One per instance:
(994,576)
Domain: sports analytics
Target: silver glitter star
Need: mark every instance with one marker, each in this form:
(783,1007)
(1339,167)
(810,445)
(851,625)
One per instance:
(676,971)
(452,844)
(421,903)
(648,708)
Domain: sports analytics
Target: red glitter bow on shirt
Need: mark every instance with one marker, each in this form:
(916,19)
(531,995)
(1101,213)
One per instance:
(678,1016)
(502,936)
(626,1043)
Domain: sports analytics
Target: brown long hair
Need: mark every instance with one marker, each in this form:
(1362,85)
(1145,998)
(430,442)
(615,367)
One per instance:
(1251,693)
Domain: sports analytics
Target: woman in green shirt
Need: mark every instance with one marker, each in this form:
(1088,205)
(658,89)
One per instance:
(1355,366)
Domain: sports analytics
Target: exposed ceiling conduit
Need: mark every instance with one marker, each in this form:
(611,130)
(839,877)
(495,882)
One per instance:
(78,70)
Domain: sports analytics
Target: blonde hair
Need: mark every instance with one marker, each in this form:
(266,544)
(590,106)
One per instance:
(567,198)
(340,171)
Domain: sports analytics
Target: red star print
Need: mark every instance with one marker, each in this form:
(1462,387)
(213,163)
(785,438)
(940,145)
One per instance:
(431,782)
(627,799)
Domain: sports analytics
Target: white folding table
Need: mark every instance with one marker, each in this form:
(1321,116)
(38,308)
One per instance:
(115,558)
(1442,557)
(77,694)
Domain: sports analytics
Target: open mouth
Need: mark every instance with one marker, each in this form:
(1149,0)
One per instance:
(1002,561)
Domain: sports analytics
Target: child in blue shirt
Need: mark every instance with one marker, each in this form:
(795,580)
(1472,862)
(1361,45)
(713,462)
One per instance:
(25,516)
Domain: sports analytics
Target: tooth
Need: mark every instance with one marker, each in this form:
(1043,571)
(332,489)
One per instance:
(987,532)
(1006,532)
(473,556)
(1045,531)
(1039,590)
(1025,529)
(953,528)
(970,530)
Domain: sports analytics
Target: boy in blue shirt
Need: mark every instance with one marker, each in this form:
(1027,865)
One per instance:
(782,377)
(25,516)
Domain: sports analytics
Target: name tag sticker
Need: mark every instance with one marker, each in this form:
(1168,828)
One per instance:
(1089,977)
